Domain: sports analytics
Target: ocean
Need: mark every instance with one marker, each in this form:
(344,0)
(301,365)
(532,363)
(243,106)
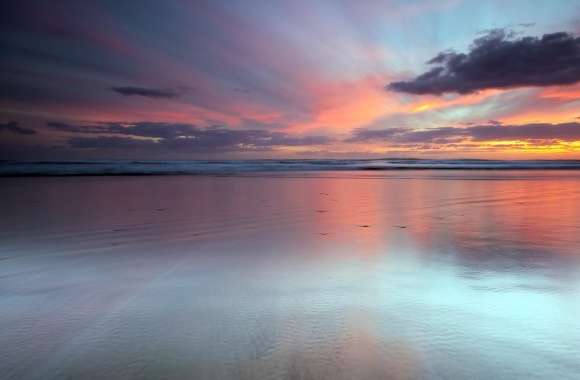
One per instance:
(126,167)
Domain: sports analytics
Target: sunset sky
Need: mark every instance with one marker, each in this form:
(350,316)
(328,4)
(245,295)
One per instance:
(289,79)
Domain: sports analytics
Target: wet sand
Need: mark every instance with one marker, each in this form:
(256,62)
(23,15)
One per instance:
(350,275)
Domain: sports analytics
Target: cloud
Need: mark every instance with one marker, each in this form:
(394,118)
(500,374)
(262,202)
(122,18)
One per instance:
(537,131)
(176,136)
(364,134)
(147,92)
(497,60)
(143,129)
(478,133)
(14,127)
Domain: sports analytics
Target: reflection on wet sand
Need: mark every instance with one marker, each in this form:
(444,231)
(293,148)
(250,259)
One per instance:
(324,276)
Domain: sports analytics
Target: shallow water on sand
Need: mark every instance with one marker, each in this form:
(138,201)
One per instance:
(414,275)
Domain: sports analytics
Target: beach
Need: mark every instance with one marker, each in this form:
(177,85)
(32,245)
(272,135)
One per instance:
(428,274)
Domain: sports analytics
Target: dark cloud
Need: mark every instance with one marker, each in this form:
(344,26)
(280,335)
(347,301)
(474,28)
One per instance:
(537,131)
(143,129)
(179,137)
(64,127)
(147,92)
(364,135)
(488,132)
(403,135)
(14,127)
(109,142)
(497,60)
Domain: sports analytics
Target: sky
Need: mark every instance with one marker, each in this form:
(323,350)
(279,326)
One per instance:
(225,79)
